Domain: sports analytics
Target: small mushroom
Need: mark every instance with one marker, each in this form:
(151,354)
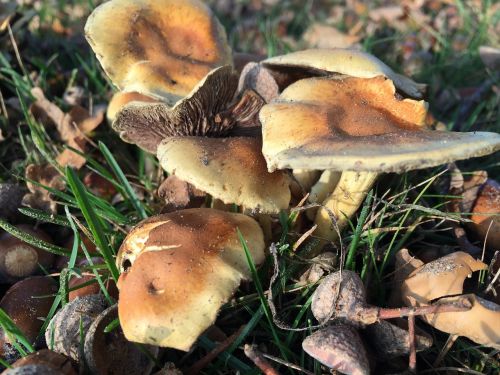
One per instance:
(486,214)
(342,61)
(179,194)
(42,362)
(71,323)
(159,48)
(11,195)
(178,269)
(27,303)
(230,169)
(443,279)
(19,259)
(87,284)
(111,353)
(340,348)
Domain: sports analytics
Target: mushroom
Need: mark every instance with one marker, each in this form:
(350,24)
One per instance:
(361,127)
(230,169)
(341,61)
(42,362)
(158,48)
(178,269)
(179,194)
(121,99)
(444,277)
(19,259)
(11,196)
(27,303)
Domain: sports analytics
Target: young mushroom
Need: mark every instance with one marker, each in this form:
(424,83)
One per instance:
(178,269)
(361,127)
(43,362)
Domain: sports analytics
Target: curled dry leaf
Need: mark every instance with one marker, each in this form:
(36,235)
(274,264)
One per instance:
(404,265)
(38,197)
(323,36)
(442,277)
(445,277)
(140,53)
(179,194)
(339,348)
(72,126)
(320,266)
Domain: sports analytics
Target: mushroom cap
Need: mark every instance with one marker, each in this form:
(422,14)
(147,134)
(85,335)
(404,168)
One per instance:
(358,124)
(230,169)
(159,48)
(442,277)
(147,124)
(344,61)
(189,264)
(121,99)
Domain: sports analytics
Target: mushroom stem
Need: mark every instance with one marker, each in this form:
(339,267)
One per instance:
(345,200)
(322,189)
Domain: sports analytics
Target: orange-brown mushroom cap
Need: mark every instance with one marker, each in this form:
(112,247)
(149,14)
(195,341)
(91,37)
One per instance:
(231,169)
(358,124)
(189,264)
(159,48)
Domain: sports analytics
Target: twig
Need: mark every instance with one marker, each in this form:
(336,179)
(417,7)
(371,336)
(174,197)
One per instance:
(207,359)
(412,365)
(287,364)
(259,360)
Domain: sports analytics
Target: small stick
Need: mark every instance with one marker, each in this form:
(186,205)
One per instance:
(412,365)
(259,360)
(206,360)
(460,305)
(288,364)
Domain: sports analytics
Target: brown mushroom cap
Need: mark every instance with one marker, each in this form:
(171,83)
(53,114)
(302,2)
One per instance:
(46,358)
(147,124)
(121,99)
(159,48)
(230,169)
(344,61)
(187,265)
(486,214)
(358,124)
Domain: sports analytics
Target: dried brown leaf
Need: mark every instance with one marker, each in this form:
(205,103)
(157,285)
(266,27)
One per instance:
(39,197)
(323,36)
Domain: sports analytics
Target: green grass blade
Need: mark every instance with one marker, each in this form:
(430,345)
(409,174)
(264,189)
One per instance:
(93,221)
(15,333)
(130,193)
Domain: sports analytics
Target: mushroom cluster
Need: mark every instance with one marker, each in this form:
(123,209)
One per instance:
(236,138)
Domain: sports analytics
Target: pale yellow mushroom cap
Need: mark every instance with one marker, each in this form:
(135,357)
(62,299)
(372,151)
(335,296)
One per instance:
(344,61)
(358,124)
(159,48)
(190,263)
(231,169)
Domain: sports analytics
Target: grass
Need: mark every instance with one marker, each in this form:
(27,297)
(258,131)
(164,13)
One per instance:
(402,210)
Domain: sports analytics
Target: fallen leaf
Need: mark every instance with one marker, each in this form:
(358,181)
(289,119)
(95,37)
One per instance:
(72,126)
(38,197)
(323,36)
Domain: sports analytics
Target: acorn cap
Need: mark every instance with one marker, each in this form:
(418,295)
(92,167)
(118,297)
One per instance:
(343,61)
(230,169)
(358,124)
(159,48)
(147,124)
(186,267)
